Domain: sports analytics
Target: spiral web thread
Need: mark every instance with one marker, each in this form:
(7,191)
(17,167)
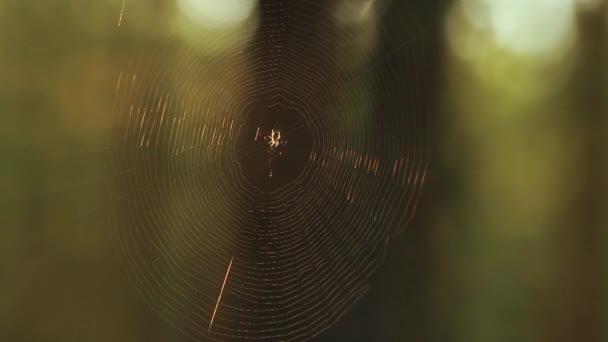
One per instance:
(211,252)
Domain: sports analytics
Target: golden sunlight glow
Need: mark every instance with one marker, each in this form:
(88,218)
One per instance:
(521,49)
(216,27)
(356,21)
(355,11)
(214,13)
(527,27)
(537,28)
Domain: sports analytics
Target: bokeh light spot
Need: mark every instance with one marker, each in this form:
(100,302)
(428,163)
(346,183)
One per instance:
(213,13)
(529,28)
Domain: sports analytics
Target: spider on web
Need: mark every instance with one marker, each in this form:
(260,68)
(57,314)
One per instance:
(276,147)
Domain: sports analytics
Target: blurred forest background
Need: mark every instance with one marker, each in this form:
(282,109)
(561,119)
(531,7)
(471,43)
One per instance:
(510,241)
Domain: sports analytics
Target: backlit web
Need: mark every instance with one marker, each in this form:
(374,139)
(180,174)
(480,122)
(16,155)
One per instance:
(261,172)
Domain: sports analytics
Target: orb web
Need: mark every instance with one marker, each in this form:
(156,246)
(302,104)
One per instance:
(231,231)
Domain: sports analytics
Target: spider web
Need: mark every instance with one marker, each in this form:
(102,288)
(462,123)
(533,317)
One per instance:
(216,246)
